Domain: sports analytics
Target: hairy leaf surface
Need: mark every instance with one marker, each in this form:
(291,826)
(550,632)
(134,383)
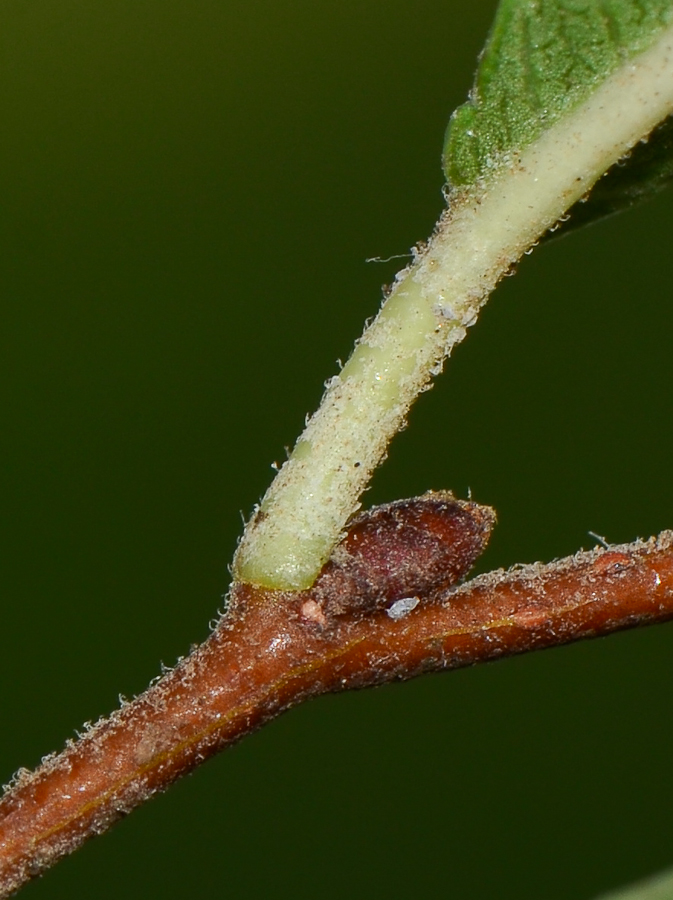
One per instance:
(542,58)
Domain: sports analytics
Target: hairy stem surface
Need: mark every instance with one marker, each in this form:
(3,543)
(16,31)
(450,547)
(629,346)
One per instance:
(271,651)
(483,233)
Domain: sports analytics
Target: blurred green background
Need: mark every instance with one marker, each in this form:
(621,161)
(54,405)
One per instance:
(188,194)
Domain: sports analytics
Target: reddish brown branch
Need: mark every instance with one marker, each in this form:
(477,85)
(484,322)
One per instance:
(274,650)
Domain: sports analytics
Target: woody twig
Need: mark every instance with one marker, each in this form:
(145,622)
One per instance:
(383,609)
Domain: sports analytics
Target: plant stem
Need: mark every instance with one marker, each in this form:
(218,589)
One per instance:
(656,887)
(267,655)
(484,232)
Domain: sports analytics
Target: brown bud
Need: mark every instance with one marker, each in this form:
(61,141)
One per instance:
(405,549)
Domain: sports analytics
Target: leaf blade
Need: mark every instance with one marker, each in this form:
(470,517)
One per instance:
(542,59)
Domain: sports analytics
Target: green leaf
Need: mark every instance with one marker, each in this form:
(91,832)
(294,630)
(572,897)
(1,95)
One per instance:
(542,58)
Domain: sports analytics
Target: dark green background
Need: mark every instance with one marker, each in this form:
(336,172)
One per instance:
(188,192)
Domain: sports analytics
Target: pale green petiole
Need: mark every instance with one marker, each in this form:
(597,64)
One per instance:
(485,230)
(656,887)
